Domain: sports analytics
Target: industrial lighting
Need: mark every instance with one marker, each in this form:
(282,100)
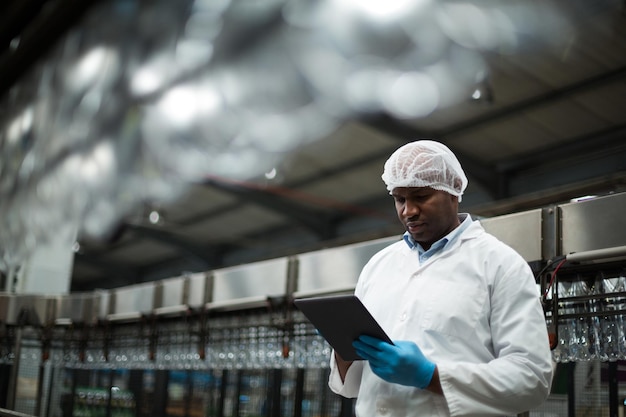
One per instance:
(15,43)
(483,92)
(154,217)
(271,174)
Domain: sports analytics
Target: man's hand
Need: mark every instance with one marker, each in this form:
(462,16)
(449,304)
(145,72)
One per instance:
(401,363)
(342,366)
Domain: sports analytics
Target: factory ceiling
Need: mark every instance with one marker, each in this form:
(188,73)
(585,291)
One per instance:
(545,124)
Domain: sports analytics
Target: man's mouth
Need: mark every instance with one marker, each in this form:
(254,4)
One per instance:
(413,227)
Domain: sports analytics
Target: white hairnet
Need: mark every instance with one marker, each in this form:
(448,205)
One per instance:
(425,163)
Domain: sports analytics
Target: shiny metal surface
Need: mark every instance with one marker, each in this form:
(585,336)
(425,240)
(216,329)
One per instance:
(336,269)
(79,308)
(22,309)
(171,292)
(102,306)
(522,231)
(593,224)
(136,298)
(260,279)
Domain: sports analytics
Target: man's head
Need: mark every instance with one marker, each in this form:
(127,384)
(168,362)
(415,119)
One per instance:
(425,163)
(427,182)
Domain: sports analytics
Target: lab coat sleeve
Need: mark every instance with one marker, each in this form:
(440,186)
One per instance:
(519,377)
(349,388)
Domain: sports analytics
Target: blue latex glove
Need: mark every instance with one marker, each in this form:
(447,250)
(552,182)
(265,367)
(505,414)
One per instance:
(401,363)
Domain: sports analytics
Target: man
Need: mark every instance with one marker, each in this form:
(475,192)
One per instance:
(462,308)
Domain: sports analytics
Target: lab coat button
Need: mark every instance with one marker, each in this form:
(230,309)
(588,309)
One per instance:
(403,317)
(382,410)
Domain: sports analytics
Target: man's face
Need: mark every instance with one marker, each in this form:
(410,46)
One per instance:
(427,214)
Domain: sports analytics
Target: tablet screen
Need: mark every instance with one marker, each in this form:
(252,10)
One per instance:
(341,319)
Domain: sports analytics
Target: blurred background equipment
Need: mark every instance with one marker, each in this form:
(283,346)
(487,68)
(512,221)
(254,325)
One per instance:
(229,342)
(155,137)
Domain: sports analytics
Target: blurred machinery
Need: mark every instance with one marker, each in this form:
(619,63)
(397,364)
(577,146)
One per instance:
(229,342)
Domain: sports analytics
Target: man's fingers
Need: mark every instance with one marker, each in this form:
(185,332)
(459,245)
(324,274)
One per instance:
(369,340)
(374,342)
(364,350)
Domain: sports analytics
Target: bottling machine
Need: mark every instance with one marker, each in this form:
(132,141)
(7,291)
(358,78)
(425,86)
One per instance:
(230,342)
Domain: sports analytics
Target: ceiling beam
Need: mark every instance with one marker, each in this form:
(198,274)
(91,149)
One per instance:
(320,223)
(103,282)
(327,173)
(493,179)
(112,270)
(538,100)
(603,141)
(198,254)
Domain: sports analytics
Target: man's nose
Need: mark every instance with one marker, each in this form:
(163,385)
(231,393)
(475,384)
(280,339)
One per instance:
(410,209)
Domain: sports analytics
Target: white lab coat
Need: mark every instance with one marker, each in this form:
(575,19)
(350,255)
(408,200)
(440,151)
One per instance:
(473,308)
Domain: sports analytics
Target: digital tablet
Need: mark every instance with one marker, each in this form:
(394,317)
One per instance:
(341,319)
